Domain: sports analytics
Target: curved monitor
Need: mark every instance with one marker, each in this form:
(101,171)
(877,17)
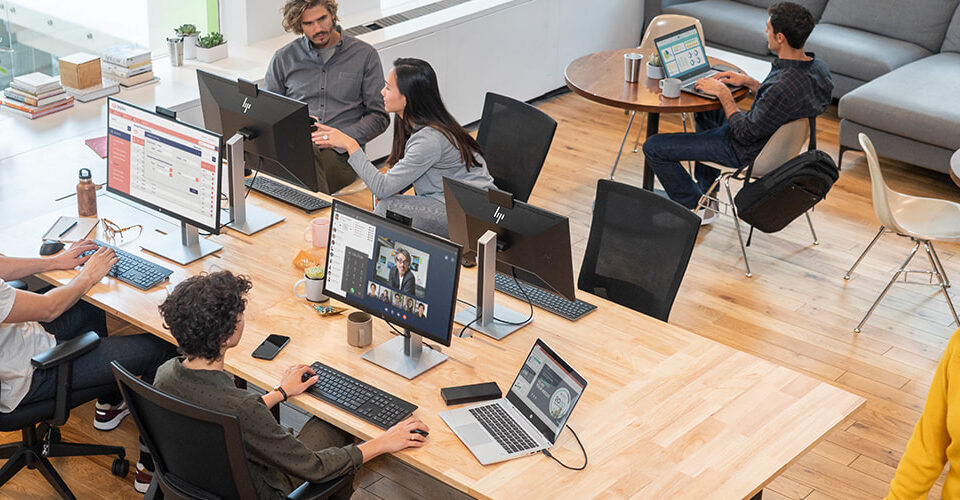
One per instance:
(402,275)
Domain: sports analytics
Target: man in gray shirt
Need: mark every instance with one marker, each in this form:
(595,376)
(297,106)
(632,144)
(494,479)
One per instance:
(338,76)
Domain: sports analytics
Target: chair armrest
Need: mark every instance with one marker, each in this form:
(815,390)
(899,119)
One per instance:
(66,351)
(323,490)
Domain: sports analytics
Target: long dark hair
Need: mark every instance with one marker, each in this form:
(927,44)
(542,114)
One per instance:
(417,81)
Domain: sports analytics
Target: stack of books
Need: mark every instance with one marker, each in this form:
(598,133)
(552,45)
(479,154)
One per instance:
(107,87)
(36,95)
(128,65)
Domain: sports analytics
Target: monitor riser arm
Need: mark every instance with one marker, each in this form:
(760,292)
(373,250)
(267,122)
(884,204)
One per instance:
(247,219)
(185,249)
(406,355)
(483,320)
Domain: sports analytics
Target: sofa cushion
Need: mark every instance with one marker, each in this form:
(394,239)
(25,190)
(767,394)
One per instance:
(923,22)
(859,54)
(911,101)
(951,42)
(814,6)
(732,24)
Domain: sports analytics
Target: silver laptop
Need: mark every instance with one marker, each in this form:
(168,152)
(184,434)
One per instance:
(683,57)
(529,419)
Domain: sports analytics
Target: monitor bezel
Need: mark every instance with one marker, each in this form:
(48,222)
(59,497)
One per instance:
(337,205)
(170,213)
(682,76)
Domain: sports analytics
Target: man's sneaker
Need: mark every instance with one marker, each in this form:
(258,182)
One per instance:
(709,214)
(108,417)
(141,481)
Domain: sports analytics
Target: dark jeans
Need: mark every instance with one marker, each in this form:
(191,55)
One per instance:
(141,354)
(333,171)
(664,152)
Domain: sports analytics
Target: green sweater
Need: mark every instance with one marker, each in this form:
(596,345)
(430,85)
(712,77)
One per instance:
(279,462)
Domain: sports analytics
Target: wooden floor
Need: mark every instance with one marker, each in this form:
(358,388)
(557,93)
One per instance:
(796,311)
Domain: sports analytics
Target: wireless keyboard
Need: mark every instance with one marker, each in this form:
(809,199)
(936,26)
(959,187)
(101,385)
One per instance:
(363,400)
(134,270)
(572,310)
(287,194)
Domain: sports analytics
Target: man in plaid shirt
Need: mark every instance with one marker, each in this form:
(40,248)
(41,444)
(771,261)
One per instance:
(798,86)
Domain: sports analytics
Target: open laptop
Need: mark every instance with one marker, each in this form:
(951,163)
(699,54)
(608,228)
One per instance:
(683,57)
(529,419)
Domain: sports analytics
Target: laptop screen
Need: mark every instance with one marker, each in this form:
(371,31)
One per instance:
(681,53)
(546,390)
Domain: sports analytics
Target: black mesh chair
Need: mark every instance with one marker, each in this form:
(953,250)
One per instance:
(197,452)
(515,138)
(638,248)
(39,421)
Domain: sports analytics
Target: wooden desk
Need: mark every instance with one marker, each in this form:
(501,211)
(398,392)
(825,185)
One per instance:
(667,413)
(599,77)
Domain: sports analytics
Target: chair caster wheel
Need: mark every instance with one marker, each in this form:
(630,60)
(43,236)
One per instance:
(55,435)
(120,467)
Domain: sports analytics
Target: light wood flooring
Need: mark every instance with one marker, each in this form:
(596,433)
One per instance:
(796,311)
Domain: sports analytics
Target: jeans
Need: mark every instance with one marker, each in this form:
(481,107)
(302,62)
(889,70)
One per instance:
(141,354)
(428,214)
(664,152)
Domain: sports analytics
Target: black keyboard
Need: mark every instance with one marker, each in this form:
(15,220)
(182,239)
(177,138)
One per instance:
(363,400)
(570,309)
(287,194)
(134,270)
(503,428)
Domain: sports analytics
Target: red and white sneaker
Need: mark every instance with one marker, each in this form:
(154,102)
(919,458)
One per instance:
(108,417)
(141,481)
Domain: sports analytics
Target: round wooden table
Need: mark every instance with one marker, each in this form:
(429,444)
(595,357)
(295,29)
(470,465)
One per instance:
(955,167)
(600,78)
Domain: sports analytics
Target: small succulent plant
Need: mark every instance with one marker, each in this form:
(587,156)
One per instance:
(211,40)
(314,273)
(654,60)
(187,30)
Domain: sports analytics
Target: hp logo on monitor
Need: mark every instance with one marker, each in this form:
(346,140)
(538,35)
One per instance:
(246,105)
(498,215)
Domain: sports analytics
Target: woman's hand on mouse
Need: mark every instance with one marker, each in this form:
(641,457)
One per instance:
(396,438)
(71,257)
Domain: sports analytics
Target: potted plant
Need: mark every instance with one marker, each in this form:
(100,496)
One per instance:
(313,285)
(211,47)
(654,69)
(190,35)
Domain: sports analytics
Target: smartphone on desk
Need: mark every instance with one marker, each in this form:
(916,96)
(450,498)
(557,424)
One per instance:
(271,347)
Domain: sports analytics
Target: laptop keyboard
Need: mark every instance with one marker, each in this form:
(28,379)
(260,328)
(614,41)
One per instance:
(503,428)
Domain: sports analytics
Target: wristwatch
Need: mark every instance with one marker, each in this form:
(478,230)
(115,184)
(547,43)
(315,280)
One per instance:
(282,392)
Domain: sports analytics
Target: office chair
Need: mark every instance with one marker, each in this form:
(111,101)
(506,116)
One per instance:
(638,248)
(39,422)
(197,452)
(923,220)
(515,138)
(785,144)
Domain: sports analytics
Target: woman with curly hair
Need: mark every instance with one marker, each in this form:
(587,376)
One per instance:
(205,315)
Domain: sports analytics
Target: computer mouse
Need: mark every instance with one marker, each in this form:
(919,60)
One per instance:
(50,247)
(421,432)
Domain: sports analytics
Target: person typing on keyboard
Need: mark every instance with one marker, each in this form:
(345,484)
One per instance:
(205,314)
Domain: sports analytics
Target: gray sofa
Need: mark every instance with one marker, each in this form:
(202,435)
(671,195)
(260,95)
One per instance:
(895,66)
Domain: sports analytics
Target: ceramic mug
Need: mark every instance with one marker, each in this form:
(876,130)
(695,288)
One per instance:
(359,329)
(313,290)
(318,232)
(670,87)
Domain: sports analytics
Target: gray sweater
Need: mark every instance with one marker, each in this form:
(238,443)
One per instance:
(428,157)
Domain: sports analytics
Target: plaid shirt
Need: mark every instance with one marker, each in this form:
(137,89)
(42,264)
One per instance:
(792,90)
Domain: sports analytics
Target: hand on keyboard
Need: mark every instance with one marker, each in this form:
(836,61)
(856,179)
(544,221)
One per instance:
(711,86)
(297,378)
(99,263)
(77,253)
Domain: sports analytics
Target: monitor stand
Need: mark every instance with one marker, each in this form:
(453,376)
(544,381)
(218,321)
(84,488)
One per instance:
(406,355)
(507,320)
(247,219)
(185,249)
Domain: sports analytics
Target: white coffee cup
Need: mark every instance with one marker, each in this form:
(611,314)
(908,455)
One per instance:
(313,290)
(670,87)
(318,232)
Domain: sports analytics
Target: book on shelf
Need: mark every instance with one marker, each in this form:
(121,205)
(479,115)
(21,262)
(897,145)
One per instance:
(36,83)
(113,70)
(107,87)
(125,55)
(11,93)
(39,111)
(26,108)
(136,81)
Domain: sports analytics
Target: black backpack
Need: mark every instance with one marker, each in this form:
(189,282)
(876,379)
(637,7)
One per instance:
(776,199)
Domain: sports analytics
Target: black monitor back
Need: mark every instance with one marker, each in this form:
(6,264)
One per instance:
(279,126)
(531,241)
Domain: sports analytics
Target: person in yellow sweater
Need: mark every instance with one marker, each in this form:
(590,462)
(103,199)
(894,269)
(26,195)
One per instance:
(936,438)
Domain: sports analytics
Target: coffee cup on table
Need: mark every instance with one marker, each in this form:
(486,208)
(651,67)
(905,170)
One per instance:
(359,329)
(670,87)
(312,288)
(318,232)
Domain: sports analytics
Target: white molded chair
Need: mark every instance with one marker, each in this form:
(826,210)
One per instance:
(785,144)
(659,26)
(923,220)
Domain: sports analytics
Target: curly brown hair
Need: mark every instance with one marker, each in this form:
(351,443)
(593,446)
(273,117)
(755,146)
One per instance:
(203,311)
(293,10)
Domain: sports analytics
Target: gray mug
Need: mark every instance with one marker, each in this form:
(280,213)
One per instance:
(359,329)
